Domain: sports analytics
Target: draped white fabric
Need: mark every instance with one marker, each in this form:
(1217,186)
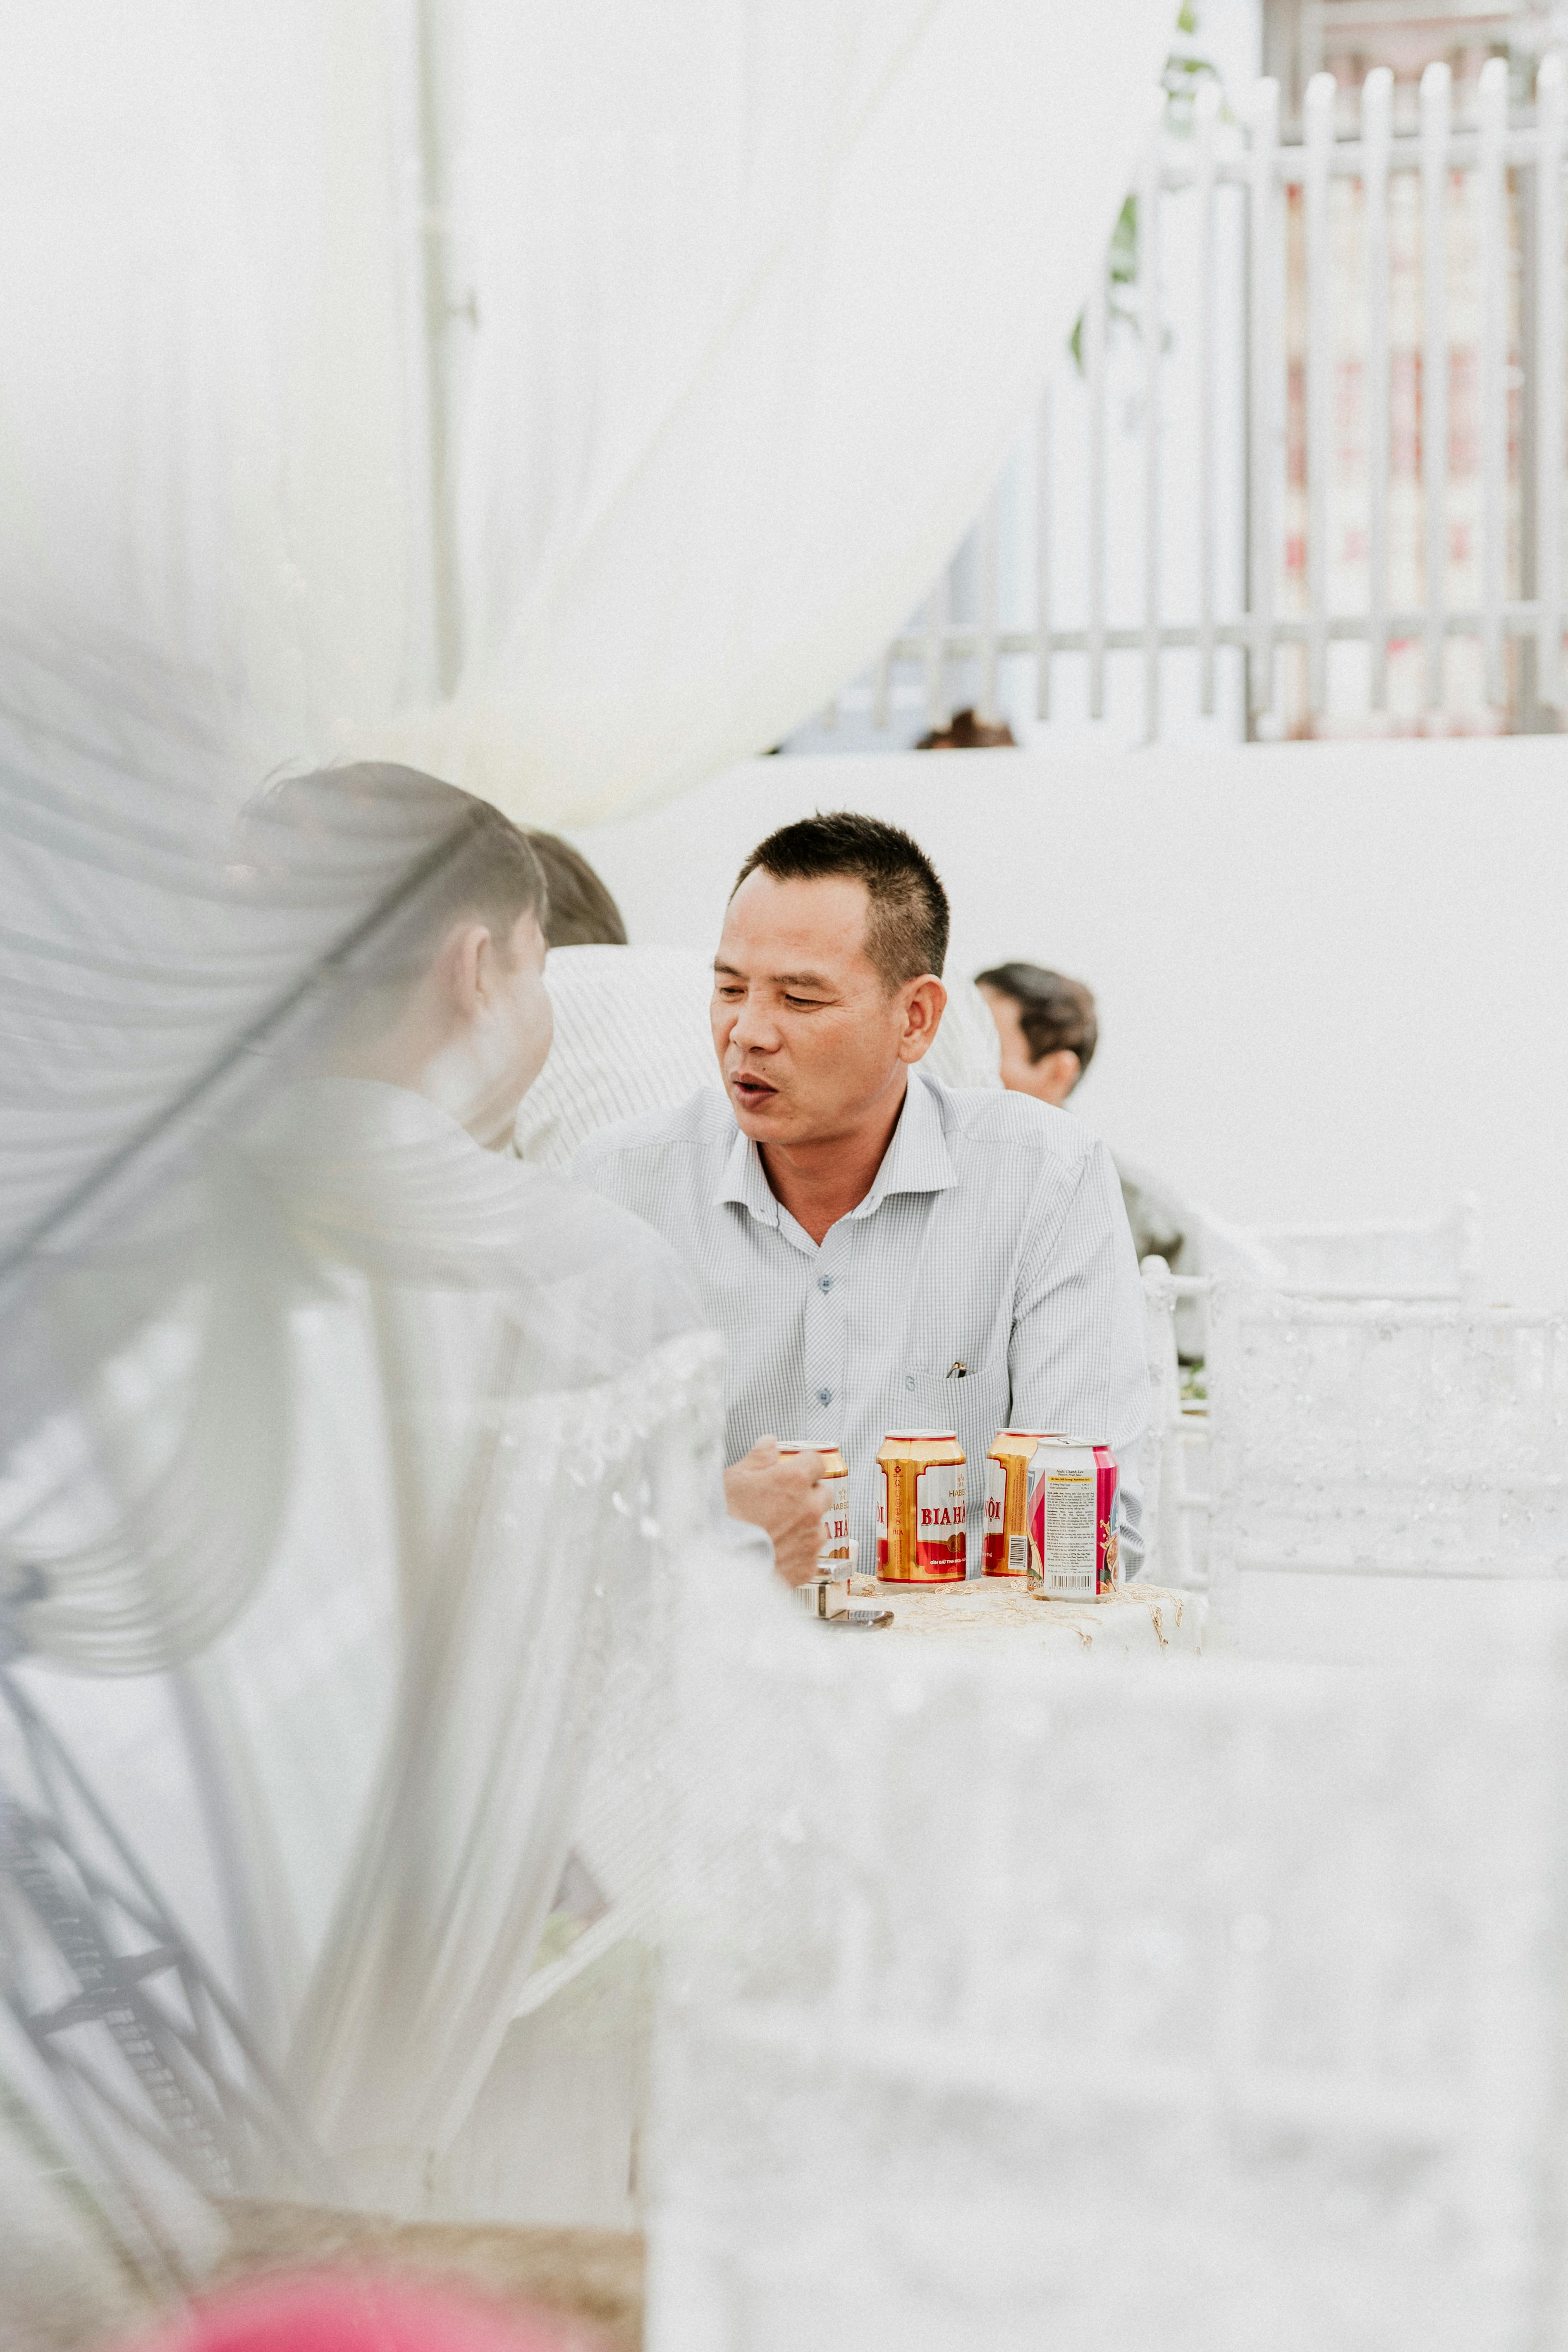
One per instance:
(385,1444)
(738,309)
(413,1711)
(436,1478)
(212,428)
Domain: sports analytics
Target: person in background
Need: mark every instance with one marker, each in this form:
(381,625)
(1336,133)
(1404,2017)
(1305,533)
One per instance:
(966,732)
(631,1023)
(582,912)
(1050,1028)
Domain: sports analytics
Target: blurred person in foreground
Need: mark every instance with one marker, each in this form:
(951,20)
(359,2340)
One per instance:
(464,1022)
(880,1250)
(1048,1029)
(552,1411)
(410,1452)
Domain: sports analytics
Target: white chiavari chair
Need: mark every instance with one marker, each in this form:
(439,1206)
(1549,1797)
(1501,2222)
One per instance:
(1385,1472)
(1200,2005)
(1175,1450)
(1434,1259)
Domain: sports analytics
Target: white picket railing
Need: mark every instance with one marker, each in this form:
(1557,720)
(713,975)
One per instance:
(1252,301)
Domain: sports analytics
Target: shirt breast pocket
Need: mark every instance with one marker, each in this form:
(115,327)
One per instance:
(976,1398)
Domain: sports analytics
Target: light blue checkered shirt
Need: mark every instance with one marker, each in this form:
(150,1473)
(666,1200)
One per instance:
(987,1278)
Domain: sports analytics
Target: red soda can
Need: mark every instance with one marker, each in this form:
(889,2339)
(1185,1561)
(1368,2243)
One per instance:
(1074,1517)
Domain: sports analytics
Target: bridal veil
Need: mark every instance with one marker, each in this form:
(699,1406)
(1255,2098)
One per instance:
(346,1470)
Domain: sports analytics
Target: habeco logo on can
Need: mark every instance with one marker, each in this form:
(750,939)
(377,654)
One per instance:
(1006,1544)
(920,1503)
(834,1489)
(1074,1519)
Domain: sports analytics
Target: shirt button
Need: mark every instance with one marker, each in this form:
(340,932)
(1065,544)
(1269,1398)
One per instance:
(908,1380)
(826,1282)
(824,1396)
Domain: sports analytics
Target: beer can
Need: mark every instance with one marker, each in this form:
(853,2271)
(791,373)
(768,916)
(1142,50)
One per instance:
(920,1504)
(1006,1550)
(1074,1519)
(834,1489)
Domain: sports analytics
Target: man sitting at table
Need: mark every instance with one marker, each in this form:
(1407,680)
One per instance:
(1048,1027)
(880,1251)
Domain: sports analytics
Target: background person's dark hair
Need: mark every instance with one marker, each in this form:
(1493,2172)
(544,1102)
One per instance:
(966,731)
(582,912)
(1055,1013)
(906,921)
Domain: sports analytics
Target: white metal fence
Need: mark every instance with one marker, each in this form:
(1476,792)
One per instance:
(1342,423)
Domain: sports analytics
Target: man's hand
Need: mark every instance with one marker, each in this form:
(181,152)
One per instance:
(777,1492)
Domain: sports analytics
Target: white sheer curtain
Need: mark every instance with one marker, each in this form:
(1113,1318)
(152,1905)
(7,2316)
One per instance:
(387,1445)
(213,432)
(727,316)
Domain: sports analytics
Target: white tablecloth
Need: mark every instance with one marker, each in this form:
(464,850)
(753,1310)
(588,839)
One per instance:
(1140,1621)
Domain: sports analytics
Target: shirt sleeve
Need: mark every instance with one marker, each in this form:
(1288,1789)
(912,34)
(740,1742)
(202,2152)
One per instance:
(596,1168)
(1077,1360)
(747,1549)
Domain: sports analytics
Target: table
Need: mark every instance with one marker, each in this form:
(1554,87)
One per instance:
(1140,1621)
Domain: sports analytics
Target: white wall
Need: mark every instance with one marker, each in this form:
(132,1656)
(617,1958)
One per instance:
(1333,978)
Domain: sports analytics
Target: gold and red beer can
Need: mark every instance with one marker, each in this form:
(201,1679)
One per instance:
(1074,1521)
(1006,1540)
(834,1489)
(920,1507)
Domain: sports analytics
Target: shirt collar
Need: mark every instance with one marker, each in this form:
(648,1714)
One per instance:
(916,1161)
(918,1158)
(746,1180)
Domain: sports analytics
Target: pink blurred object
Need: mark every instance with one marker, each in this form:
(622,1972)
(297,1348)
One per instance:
(337,2312)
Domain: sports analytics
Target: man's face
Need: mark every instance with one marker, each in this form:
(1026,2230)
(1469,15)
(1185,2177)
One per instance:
(503,1026)
(809,1038)
(1050,1080)
(525,1018)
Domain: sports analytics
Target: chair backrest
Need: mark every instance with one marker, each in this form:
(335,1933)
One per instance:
(1364,1440)
(1199,2006)
(632,1036)
(1174,1460)
(1413,1260)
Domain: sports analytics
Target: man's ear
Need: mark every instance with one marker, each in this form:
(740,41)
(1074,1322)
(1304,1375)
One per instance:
(468,966)
(1060,1072)
(924,1004)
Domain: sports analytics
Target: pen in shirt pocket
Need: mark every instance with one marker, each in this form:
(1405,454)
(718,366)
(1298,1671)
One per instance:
(958,1369)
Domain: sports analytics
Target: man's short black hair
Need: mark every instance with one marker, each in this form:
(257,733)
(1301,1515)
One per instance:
(1055,1013)
(479,863)
(906,922)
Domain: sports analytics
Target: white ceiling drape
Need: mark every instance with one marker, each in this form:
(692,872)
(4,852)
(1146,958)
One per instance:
(725,318)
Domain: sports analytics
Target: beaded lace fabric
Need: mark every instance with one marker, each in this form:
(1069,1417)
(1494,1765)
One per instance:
(1204,2004)
(1360,1439)
(344,1470)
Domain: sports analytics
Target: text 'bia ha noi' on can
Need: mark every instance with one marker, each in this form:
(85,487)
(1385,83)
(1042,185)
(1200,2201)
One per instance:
(1074,1520)
(1006,1540)
(834,1489)
(920,1509)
